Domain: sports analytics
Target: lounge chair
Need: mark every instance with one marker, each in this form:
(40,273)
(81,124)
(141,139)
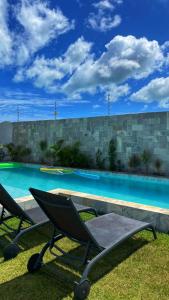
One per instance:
(34,218)
(103,233)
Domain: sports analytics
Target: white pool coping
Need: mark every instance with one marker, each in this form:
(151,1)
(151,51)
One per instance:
(158,216)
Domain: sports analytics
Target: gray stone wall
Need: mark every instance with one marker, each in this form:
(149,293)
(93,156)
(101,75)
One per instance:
(6,130)
(134,133)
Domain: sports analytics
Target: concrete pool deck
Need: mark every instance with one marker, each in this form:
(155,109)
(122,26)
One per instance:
(159,217)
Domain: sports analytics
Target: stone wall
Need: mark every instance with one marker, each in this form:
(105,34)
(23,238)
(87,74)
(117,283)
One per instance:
(6,130)
(134,133)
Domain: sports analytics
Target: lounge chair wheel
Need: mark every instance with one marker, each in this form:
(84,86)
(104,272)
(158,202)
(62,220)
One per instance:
(32,265)
(82,290)
(11,251)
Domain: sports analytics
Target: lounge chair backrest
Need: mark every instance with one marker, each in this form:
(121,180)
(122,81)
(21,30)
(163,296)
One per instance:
(63,214)
(10,204)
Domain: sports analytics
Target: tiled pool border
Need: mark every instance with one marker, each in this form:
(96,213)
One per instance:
(159,217)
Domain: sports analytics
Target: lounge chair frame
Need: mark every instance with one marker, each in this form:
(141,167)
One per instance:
(82,288)
(4,218)
(10,209)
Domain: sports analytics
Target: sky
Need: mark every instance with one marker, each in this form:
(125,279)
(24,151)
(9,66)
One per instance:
(86,57)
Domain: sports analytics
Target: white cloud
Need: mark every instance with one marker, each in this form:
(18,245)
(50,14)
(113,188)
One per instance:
(40,25)
(9,99)
(96,106)
(165,49)
(157,90)
(5,36)
(77,71)
(165,46)
(104,4)
(103,19)
(118,1)
(103,23)
(107,4)
(114,92)
(167,60)
(126,57)
(48,72)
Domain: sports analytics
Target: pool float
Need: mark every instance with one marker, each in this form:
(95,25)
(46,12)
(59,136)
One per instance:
(6,165)
(57,171)
(87,175)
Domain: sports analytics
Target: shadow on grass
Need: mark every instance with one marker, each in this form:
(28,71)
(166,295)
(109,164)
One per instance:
(27,241)
(31,239)
(55,279)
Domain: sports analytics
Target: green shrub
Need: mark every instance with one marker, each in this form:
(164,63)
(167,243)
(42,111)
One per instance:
(68,155)
(158,164)
(146,158)
(100,161)
(134,162)
(17,153)
(120,166)
(112,155)
(43,147)
(53,152)
(71,156)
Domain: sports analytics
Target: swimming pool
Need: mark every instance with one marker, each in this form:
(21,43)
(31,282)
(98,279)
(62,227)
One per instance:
(138,189)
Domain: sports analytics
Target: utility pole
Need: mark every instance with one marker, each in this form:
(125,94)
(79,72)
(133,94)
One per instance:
(108,104)
(18,114)
(55,111)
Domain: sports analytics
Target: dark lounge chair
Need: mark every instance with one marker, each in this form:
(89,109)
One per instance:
(34,218)
(103,233)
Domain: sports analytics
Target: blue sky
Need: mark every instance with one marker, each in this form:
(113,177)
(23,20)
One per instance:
(79,53)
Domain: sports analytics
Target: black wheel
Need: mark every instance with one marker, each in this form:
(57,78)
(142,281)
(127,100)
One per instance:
(82,290)
(32,265)
(11,251)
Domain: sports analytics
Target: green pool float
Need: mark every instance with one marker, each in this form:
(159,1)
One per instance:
(57,171)
(6,165)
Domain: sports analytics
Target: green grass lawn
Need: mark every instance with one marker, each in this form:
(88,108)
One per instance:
(137,270)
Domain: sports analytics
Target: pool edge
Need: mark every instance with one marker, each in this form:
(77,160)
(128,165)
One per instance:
(159,217)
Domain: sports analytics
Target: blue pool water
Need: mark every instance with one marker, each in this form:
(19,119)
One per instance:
(137,189)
